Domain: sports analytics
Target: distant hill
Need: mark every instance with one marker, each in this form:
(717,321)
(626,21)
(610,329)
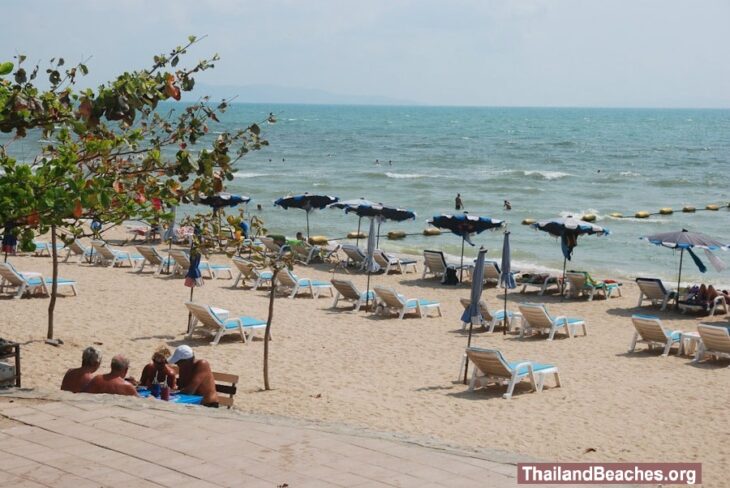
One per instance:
(284,94)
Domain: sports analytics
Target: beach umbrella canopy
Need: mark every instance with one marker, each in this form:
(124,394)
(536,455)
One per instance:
(220,200)
(472,313)
(464,226)
(382,213)
(506,279)
(307,202)
(348,204)
(568,229)
(685,240)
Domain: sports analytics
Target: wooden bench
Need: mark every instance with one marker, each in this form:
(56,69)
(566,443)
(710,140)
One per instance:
(226,384)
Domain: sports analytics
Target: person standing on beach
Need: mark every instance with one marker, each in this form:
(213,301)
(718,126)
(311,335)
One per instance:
(458,203)
(77,379)
(196,377)
(113,382)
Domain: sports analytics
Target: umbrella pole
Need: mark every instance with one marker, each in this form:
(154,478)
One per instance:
(367,291)
(357,238)
(307,226)
(461,271)
(562,283)
(377,236)
(679,279)
(466,358)
(504,323)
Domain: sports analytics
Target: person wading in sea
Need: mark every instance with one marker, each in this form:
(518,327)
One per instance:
(458,203)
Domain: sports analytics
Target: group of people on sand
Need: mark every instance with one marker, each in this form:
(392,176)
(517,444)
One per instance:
(193,376)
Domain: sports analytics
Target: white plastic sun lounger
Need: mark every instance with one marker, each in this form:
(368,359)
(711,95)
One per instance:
(205,317)
(154,259)
(107,256)
(247,270)
(27,282)
(390,301)
(649,330)
(289,281)
(715,341)
(489,320)
(347,292)
(182,264)
(392,263)
(536,317)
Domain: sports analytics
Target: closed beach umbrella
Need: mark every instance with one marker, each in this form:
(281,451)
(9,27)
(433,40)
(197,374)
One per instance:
(568,229)
(506,279)
(193,277)
(472,314)
(685,240)
(370,264)
(306,202)
(465,226)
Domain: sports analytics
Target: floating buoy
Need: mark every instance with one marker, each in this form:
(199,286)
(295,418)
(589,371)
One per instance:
(356,235)
(588,218)
(688,209)
(432,231)
(396,234)
(318,240)
(666,211)
(712,206)
(616,215)
(643,214)
(528,221)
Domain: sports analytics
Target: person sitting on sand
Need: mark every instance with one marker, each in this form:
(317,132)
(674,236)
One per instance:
(113,382)
(159,369)
(196,377)
(77,379)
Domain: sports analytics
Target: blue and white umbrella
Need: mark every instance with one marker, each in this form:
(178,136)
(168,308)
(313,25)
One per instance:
(352,204)
(685,240)
(382,213)
(567,230)
(465,226)
(307,202)
(222,199)
(472,313)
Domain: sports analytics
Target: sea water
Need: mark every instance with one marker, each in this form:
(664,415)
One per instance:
(548,162)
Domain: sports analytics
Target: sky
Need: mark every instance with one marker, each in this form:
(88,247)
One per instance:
(597,53)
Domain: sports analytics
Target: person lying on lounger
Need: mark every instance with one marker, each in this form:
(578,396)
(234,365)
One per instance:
(196,377)
(113,382)
(160,369)
(77,379)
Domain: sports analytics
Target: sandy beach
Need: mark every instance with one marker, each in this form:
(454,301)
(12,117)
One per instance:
(400,376)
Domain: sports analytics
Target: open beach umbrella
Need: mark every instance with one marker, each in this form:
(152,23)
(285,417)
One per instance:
(568,229)
(506,279)
(685,240)
(472,313)
(465,226)
(306,202)
(352,204)
(382,213)
(220,200)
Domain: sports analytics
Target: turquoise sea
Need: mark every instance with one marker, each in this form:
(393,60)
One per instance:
(546,161)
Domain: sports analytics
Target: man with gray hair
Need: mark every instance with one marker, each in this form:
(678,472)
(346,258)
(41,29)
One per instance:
(77,379)
(113,382)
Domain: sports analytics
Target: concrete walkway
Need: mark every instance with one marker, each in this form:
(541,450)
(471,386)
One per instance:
(91,441)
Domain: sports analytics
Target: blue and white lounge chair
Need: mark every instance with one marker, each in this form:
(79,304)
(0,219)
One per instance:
(390,301)
(536,317)
(155,259)
(490,319)
(247,270)
(393,263)
(29,281)
(289,281)
(44,248)
(208,318)
(490,366)
(182,264)
(581,283)
(346,291)
(107,256)
(78,249)
(654,290)
(649,330)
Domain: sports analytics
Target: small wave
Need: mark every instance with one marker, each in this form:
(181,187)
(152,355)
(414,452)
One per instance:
(545,175)
(629,173)
(405,175)
(242,174)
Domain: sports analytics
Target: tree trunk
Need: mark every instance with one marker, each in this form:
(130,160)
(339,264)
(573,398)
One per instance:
(54,285)
(268,330)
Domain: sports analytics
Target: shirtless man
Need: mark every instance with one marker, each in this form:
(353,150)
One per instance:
(196,377)
(113,382)
(76,379)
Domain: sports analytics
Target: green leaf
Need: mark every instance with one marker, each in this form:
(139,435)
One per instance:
(20,76)
(6,68)
(174,61)
(255,129)
(191,39)
(84,69)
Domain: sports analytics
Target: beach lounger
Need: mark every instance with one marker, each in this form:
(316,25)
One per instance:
(714,341)
(289,281)
(434,263)
(695,302)
(536,317)
(182,264)
(489,320)
(355,255)
(346,291)
(490,366)
(154,259)
(206,317)
(541,281)
(392,263)
(247,270)
(654,290)
(107,256)
(44,248)
(27,282)
(140,229)
(272,248)
(76,248)
(390,301)
(304,252)
(649,330)
(581,283)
